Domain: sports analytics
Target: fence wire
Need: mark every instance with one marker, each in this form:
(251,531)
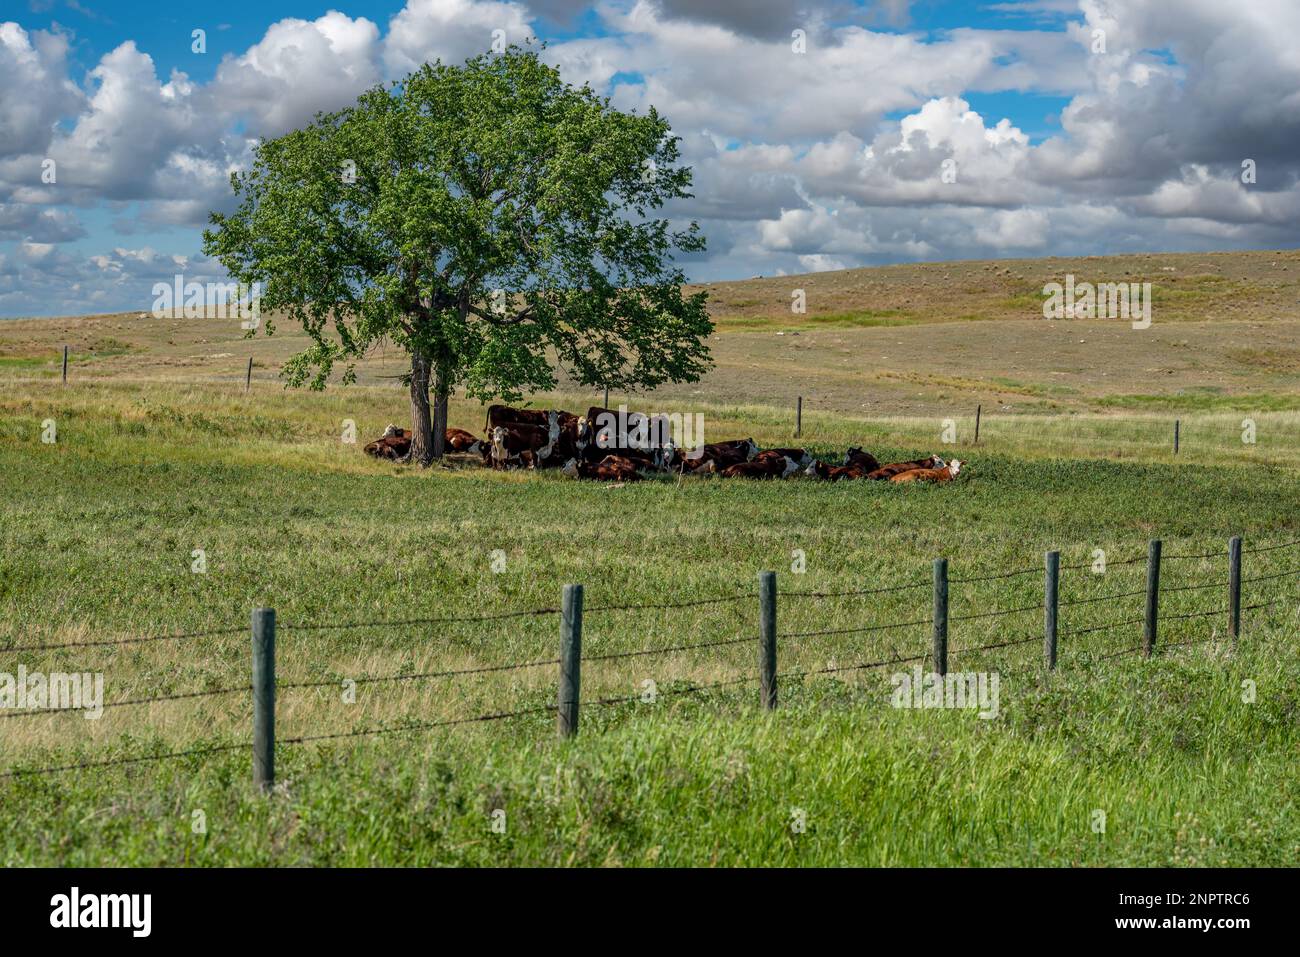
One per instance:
(416,675)
(403,622)
(855,593)
(177,636)
(645,652)
(115,762)
(418,725)
(855,631)
(181,696)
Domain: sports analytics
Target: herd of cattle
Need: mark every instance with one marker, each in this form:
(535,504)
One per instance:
(593,447)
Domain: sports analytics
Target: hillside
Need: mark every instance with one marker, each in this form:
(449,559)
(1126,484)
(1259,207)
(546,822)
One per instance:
(924,339)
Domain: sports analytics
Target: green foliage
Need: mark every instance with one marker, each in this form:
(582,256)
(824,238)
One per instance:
(499,219)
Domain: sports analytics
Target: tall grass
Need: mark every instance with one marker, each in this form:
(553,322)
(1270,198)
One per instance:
(98,531)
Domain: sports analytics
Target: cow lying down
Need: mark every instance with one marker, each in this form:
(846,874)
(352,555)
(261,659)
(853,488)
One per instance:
(929,469)
(612,468)
(945,474)
(395,444)
(773,464)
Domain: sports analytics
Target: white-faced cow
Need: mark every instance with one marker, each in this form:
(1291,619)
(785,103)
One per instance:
(515,445)
(394,445)
(633,434)
(945,474)
(894,468)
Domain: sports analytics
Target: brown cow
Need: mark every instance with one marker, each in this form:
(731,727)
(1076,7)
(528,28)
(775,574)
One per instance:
(835,473)
(763,467)
(716,456)
(641,433)
(864,460)
(458,440)
(802,457)
(894,468)
(517,444)
(505,415)
(394,444)
(945,474)
(567,437)
(612,468)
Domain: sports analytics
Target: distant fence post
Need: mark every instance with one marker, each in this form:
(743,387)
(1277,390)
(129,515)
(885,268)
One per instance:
(1051,594)
(65,365)
(1234,588)
(798,417)
(978,410)
(570,661)
(1176,430)
(1153,597)
(248,379)
(767,639)
(941,616)
(264,698)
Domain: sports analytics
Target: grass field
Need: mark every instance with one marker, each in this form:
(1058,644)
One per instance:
(155,458)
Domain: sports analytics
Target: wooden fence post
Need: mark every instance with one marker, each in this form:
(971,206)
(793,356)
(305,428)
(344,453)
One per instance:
(1051,595)
(978,410)
(248,379)
(941,616)
(65,365)
(1176,430)
(798,417)
(1153,597)
(1234,589)
(767,639)
(570,661)
(264,698)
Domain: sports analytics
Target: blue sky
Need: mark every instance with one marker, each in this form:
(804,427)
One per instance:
(825,158)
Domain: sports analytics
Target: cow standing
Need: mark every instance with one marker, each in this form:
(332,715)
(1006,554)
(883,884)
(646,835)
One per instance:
(517,444)
(641,437)
(505,415)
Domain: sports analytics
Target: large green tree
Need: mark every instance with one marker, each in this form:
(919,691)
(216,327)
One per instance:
(490,219)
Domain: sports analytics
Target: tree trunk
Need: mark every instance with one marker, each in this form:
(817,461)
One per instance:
(441,399)
(423,438)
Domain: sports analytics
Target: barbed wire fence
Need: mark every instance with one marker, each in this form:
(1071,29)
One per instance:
(1157,431)
(568,701)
